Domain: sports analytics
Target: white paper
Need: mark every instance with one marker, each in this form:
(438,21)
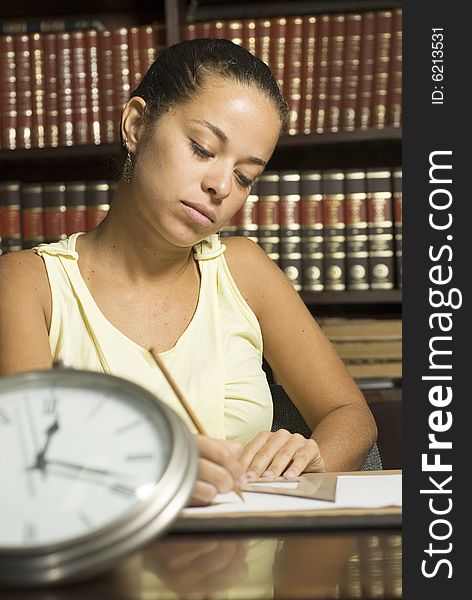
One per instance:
(353,491)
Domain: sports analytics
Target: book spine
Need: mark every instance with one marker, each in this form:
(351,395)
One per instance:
(335,69)
(235,31)
(51,100)
(351,71)
(135,66)
(311,220)
(38,90)
(290,228)
(308,74)
(269,215)
(366,74)
(48,25)
(10,217)
(357,241)
(249,35)
(380,227)
(247,217)
(24,102)
(64,89)
(76,209)
(106,84)
(396,72)
(94,118)
(32,214)
(334,220)
(219,28)
(383,38)
(263,33)
(293,71)
(320,97)
(398,223)
(121,86)
(98,202)
(80,90)
(54,208)
(8,108)
(152,43)
(277,50)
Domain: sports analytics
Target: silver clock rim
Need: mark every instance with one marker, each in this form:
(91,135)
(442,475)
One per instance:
(89,555)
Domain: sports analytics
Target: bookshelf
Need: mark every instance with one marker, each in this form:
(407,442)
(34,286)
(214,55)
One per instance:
(368,148)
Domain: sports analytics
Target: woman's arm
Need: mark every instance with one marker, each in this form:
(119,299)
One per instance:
(25,308)
(304,361)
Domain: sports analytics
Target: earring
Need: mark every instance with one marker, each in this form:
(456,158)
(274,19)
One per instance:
(128,166)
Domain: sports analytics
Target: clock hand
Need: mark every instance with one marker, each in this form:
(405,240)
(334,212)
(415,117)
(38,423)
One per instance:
(40,457)
(79,467)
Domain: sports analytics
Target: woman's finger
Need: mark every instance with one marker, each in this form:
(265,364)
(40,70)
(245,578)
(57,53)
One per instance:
(308,459)
(265,452)
(284,456)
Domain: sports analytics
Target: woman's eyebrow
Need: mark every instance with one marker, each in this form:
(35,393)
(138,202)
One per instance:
(221,135)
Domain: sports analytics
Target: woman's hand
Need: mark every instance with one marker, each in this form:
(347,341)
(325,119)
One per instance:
(281,453)
(219,469)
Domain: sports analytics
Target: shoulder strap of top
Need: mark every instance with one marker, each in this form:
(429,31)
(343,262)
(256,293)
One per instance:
(209,248)
(64,248)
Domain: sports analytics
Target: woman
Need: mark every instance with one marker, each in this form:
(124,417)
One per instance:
(197,133)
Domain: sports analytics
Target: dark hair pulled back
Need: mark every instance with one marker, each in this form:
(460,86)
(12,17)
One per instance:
(183,68)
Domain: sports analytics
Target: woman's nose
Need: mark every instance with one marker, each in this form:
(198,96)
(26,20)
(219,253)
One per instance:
(217,183)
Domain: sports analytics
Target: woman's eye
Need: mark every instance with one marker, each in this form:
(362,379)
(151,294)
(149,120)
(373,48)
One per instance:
(244,181)
(200,150)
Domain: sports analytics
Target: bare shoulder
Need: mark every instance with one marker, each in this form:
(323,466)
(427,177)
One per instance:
(256,275)
(23,272)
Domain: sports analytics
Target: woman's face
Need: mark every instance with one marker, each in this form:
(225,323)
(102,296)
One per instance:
(196,168)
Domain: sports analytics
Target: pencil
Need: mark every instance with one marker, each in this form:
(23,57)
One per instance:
(183,401)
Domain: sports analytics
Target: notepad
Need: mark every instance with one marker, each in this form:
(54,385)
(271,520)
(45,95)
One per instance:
(356,491)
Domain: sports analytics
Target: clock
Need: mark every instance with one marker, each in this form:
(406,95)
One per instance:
(92,467)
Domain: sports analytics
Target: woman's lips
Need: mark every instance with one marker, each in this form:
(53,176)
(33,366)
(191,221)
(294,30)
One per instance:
(199,213)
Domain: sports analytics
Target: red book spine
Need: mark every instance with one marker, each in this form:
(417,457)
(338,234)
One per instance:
(380,227)
(235,31)
(290,228)
(98,202)
(398,223)
(76,209)
(64,89)
(383,38)
(24,102)
(335,69)
(10,216)
(311,220)
(293,71)
(135,66)
(357,241)
(263,33)
(51,101)
(54,207)
(188,31)
(334,221)
(152,43)
(396,73)
(204,29)
(308,74)
(8,108)
(106,85)
(320,96)
(277,49)
(351,71)
(32,214)
(80,90)
(247,218)
(121,88)
(38,90)
(269,214)
(249,35)
(94,118)
(366,73)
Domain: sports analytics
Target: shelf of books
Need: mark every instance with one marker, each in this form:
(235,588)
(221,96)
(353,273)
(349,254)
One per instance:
(328,209)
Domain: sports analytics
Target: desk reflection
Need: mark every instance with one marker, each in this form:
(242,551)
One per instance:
(326,564)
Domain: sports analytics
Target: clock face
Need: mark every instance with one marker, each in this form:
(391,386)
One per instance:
(73,459)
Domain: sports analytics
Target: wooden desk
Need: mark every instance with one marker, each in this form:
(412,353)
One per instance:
(348,564)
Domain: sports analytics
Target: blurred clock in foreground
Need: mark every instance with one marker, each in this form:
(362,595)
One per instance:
(92,467)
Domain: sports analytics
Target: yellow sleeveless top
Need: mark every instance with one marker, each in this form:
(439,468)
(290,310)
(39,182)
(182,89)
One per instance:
(216,362)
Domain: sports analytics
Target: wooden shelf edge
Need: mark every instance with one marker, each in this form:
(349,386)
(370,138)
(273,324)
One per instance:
(352,297)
